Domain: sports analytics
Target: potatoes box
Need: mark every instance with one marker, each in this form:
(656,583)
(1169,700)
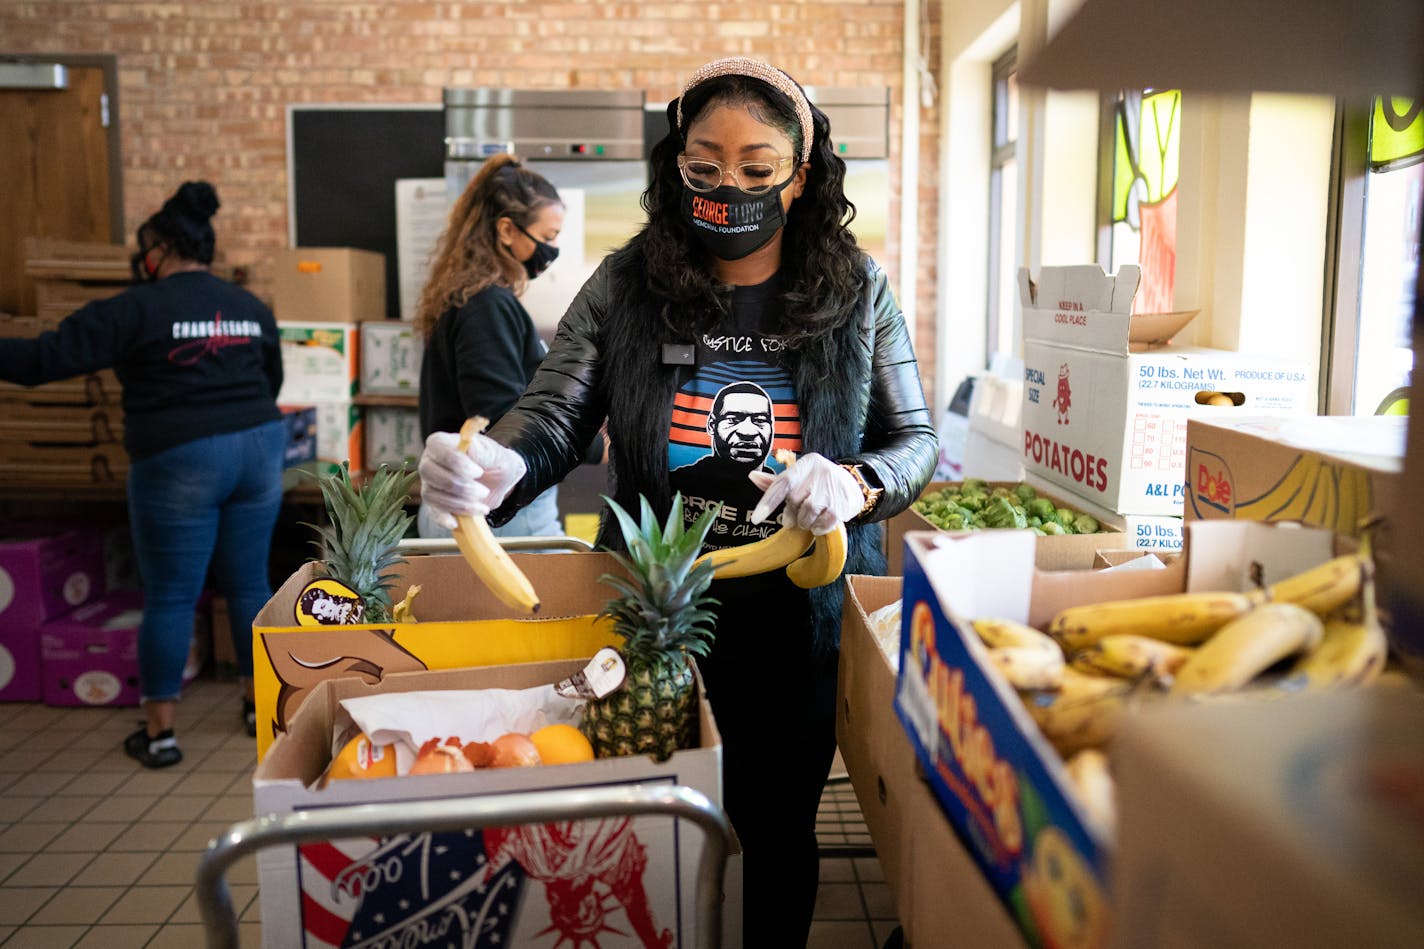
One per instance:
(999,781)
(1105,416)
(329,284)
(614,882)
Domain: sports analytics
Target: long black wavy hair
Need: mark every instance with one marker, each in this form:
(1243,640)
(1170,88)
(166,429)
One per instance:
(823,268)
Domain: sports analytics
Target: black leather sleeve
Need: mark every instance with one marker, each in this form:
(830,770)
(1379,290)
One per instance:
(900,447)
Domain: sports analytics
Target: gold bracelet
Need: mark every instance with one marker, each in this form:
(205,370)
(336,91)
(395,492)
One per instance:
(871,495)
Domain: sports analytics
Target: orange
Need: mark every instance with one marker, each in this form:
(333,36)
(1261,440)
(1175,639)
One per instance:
(361,759)
(562,744)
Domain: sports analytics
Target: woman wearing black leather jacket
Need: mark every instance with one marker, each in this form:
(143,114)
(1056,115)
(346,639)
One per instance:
(742,319)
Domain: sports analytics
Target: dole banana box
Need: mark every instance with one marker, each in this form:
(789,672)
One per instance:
(321,362)
(1106,406)
(618,883)
(458,623)
(996,778)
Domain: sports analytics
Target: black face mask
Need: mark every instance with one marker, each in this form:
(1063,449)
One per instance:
(544,255)
(730,223)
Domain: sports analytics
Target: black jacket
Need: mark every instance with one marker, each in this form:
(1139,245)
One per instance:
(860,399)
(195,355)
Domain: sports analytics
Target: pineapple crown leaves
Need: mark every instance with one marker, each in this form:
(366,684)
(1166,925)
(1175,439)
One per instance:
(663,603)
(361,537)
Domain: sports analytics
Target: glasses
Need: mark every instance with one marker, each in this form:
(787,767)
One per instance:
(752,177)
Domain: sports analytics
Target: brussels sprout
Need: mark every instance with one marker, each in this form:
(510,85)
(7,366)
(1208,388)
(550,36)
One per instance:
(1085,524)
(1025,493)
(973,486)
(974,502)
(1041,508)
(1034,520)
(1066,515)
(1052,529)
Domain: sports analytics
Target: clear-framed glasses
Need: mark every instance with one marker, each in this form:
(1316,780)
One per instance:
(752,177)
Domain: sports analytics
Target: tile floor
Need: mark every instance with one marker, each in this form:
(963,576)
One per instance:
(99,853)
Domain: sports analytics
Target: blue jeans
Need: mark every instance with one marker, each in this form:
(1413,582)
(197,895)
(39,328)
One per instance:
(214,499)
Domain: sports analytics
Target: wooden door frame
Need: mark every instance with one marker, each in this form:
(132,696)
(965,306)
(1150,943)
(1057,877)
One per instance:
(110,66)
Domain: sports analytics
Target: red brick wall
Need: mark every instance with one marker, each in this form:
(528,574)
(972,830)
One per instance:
(204,85)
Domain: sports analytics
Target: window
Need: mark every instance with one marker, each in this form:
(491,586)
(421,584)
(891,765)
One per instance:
(1145,132)
(1389,252)
(1003,207)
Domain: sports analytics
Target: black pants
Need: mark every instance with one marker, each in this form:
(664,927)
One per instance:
(774,703)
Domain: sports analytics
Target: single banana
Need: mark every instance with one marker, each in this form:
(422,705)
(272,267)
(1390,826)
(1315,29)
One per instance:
(770,553)
(1322,589)
(482,550)
(1184,619)
(1008,634)
(1131,656)
(1094,788)
(1351,652)
(823,564)
(1246,646)
(1028,668)
(1074,721)
(403,612)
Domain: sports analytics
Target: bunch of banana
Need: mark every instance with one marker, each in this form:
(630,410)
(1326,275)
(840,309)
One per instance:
(1083,712)
(1025,657)
(1325,588)
(1353,649)
(1247,646)
(482,550)
(786,547)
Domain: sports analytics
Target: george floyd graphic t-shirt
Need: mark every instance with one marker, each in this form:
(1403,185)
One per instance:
(733,409)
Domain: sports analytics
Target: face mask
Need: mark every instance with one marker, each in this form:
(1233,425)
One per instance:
(143,271)
(544,255)
(731,223)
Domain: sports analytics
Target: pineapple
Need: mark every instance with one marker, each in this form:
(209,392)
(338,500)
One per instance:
(662,619)
(360,540)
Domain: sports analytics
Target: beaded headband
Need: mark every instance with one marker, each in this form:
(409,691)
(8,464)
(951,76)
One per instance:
(778,80)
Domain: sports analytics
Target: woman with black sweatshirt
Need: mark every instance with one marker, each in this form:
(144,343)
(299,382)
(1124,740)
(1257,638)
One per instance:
(200,365)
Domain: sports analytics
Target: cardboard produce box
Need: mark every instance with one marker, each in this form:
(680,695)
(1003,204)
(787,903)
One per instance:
(1105,417)
(615,882)
(461,623)
(301,434)
(996,777)
(938,887)
(1051,548)
(339,436)
(321,362)
(329,285)
(392,437)
(96,388)
(60,423)
(1294,825)
(391,353)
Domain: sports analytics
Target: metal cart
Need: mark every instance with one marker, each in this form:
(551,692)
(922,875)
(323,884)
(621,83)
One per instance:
(494,810)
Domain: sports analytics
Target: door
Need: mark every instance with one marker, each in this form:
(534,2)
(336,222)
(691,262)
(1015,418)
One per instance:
(55,165)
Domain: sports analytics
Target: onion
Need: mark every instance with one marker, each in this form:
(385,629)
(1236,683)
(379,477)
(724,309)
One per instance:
(515,750)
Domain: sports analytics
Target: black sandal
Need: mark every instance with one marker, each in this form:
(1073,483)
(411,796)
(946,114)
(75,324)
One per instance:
(157,752)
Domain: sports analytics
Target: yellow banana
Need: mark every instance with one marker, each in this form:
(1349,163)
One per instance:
(1322,589)
(770,553)
(823,564)
(1131,656)
(1094,788)
(1351,652)
(482,550)
(1028,668)
(1005,634)
(403,612)
(1074,721)
(1246,646)
(1181,618)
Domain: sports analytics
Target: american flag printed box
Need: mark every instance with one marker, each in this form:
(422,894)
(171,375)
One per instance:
(612,883)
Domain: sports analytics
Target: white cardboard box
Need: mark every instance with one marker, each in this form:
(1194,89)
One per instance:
(320,362)
(392,437)
(391,352)
(1109,422)
(482,888)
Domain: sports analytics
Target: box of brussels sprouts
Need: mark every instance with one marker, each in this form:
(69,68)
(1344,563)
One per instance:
(1068,535)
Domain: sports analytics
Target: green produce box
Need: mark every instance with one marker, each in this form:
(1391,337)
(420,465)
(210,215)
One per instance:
(1056,552)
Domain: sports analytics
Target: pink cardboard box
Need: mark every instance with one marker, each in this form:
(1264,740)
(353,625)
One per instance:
(19,663)
(90,655)
(47,569)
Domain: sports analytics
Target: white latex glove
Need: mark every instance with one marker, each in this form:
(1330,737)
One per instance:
(819,494)
(470,482)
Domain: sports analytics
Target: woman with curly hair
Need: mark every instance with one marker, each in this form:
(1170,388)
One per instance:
(743,318)
(481,344)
